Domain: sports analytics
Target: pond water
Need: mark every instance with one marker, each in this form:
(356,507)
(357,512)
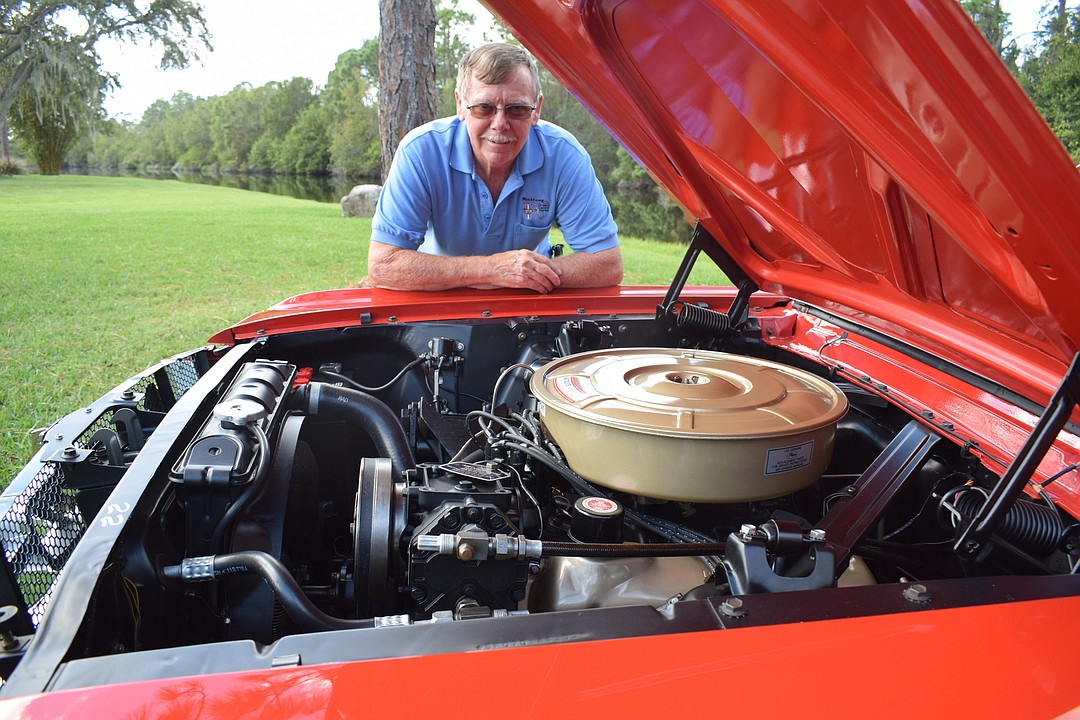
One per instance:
(329,189)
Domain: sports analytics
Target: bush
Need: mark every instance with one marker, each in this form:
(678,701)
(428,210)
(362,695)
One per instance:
(10,166)
(642,208)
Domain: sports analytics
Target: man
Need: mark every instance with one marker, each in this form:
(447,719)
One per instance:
(470,199)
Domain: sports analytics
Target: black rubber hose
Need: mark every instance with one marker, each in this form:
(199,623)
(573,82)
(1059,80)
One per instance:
(262,468)
(289,593)
(367,412)
(601,550)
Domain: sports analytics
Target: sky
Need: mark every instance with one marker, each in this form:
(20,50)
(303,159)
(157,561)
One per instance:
(255,41)
(259,41)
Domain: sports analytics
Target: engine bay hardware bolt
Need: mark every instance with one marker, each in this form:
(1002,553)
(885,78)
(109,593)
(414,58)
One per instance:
(917,593)
(260,331)
(128,394)
(733,608)
(817,535)
(746,532)
(485,313)
(581,311)
(70,452)
(465,551)
(8,641)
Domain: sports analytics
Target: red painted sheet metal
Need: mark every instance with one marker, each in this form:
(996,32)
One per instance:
(347,308)
(944,663)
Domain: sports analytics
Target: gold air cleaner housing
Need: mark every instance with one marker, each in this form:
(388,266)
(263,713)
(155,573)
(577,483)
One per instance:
(690,425)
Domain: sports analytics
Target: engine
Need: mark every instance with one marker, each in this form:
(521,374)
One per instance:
(445,472)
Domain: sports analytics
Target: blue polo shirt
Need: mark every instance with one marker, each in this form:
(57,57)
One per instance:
(434,201)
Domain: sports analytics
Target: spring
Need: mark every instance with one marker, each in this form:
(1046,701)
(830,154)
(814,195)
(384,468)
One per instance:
(1030,526)
(695,317)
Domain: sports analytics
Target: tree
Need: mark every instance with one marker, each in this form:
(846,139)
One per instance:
(352,114)
(1051,74)
(450,46)
(995,25)
(48,120)
(406,71)
(39,49)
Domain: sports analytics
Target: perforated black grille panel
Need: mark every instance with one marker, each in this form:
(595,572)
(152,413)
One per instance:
(41,522)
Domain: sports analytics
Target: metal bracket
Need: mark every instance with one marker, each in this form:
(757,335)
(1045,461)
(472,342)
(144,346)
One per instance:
(704,242)
(847,522)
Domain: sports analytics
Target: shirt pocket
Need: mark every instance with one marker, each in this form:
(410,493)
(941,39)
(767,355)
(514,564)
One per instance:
(530,237)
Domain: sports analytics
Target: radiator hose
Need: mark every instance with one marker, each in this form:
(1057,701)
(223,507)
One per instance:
(365,411)
(288,592)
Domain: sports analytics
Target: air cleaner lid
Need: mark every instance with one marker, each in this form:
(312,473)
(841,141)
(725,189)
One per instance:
(688,393)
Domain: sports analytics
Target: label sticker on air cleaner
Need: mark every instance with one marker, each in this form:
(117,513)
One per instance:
(571,388)
(790,458)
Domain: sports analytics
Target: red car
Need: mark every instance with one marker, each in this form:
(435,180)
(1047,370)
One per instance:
(847,486)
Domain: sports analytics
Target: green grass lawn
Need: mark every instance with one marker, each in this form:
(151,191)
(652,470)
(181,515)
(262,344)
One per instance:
(100,277)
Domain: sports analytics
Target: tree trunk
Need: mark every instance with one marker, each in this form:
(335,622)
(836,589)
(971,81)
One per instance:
(406,71)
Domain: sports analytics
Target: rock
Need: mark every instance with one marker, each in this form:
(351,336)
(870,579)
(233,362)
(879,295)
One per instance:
(360,202)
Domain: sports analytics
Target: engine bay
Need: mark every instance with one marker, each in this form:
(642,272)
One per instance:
(417,474)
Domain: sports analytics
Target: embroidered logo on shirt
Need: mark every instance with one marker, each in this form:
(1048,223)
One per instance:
(535,206)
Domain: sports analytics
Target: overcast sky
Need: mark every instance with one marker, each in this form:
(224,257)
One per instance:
(258,41)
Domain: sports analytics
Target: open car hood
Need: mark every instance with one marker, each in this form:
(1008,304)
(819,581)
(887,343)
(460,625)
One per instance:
(872,159)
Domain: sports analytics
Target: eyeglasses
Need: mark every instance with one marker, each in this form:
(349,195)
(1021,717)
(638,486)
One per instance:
(483,111)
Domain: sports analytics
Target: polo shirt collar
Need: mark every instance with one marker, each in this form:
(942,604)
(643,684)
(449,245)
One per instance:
(529,159)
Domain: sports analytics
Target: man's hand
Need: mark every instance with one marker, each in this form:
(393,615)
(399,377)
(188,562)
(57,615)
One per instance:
(524,269)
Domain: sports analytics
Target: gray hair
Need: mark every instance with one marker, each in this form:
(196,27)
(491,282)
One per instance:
(494,64)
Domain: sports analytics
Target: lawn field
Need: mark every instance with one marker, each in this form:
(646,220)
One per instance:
(101,277)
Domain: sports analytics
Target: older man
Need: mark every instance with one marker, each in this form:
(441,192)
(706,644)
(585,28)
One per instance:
(470,199)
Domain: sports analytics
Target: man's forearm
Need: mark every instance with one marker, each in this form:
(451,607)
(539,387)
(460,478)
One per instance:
(582,269)
(397,269)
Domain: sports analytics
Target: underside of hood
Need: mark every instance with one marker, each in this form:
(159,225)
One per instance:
(872,159)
